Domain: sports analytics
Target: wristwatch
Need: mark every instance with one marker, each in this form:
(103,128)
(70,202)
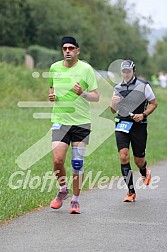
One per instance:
(84,94)
(144,115)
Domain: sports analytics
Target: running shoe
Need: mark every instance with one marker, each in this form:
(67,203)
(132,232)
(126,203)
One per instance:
(74,207)
(58,201)
(147,179)
(130,197)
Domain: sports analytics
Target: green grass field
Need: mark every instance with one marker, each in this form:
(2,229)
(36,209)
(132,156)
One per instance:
(24,190)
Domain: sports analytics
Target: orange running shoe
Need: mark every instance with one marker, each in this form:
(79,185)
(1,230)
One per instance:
(58,201)
(147,179)
(130,197)
(75,207)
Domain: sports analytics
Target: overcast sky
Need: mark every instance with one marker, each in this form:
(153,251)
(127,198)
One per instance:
(157,9)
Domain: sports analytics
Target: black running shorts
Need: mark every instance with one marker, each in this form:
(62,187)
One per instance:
(68,133)
(137,137)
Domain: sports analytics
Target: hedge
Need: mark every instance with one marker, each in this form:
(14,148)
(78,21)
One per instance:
(12,55)
(43,57)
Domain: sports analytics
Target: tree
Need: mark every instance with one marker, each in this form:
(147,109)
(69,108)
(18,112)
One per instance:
(102,29)
(160,55)
(15,23)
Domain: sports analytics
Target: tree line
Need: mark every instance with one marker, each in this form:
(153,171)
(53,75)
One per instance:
(102,29)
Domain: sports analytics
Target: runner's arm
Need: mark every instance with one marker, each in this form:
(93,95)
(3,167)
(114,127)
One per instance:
(151,100)
(151,107)
(114,101)
(92,96)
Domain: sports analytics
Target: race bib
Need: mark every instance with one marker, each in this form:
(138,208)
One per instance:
(124,126)
(56,126)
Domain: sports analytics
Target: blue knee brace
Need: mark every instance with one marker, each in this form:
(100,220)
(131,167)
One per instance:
(77,164)
(77,159)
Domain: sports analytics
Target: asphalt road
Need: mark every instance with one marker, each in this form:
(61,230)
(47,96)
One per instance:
(106,223)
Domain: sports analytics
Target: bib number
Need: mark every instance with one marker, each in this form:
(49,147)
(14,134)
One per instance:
(56,126)
(124,126)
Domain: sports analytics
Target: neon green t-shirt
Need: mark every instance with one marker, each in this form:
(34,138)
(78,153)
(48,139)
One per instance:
(69,108)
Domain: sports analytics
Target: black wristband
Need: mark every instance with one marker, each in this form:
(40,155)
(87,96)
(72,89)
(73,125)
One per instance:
(144,116)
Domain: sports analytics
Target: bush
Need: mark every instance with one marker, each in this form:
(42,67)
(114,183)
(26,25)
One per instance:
(43,57)
(12,55)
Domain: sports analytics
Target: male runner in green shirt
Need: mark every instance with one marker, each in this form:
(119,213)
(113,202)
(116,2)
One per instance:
(72,86)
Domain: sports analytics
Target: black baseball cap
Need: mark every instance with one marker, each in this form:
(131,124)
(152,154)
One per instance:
(70,40)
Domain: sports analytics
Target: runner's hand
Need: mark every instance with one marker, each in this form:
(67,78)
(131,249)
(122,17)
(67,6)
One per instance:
(138,117)
(51,95)
(115,99)
(78,89)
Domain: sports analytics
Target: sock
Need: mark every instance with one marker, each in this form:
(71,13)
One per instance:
(128,176)
(75,198)
(143,170)
(63,188)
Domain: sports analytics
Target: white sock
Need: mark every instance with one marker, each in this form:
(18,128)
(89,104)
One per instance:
(75,198)
(63,188)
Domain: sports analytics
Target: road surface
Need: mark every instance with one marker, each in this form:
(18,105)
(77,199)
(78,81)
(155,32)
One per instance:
(106,223)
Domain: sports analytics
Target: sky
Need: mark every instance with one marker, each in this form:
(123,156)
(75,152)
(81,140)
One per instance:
(156,9)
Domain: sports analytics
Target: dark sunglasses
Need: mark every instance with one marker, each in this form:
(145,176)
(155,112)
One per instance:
(70,48)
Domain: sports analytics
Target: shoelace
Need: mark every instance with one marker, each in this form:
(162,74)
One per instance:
(74,204)
(61,195)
